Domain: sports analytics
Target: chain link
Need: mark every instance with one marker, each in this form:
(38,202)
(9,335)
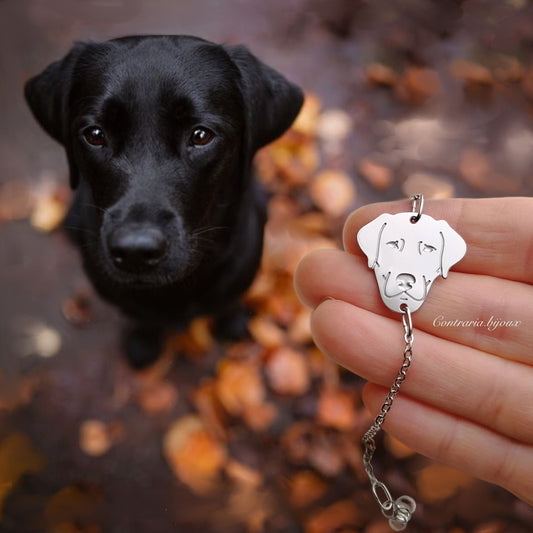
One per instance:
(398,511)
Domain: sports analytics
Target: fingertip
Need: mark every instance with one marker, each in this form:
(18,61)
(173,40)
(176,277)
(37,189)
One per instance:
(311,272)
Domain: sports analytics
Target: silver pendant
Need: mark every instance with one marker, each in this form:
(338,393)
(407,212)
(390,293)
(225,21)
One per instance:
(407,252)
(407,256)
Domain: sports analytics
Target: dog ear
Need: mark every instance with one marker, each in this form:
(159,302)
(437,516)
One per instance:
(272,101)
(47,96)
(369,238)
(47,93)
(453,250)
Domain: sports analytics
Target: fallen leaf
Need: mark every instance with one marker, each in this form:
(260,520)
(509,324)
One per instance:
(242,474)
(18,456)
(313,222)
(336,408)
(397,448)
(75,503)
(16,200)
(380,526)
(471,72)
(429,185)
(379,176)
(324,454)
(157,397)
(78,309)
(50,206)
(508,69)
(239,386)
(343,513)
(437,482)
(195,456)
(209,407)
(300,327)
(95,438)
(333,192)
(474,167)
(288,372)
(297,440)
(334,125)
(197,340)
(307,120)
(381,75)
(266,332)
(495,526)
(417,85)
(260,417)
(39,339)
(305,487)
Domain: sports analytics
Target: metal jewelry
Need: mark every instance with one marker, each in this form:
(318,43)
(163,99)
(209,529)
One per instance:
(407,252)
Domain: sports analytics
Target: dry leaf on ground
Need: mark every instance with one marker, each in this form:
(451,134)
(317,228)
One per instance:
(288,372)
(194,455)
(438,482)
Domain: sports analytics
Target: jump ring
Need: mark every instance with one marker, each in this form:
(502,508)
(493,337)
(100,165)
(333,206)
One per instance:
(417,199)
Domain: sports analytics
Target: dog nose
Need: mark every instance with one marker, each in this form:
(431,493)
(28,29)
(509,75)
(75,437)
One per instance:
(405,281)
(137,249)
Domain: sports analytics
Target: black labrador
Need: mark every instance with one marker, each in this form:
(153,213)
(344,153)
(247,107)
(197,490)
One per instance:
(160,133)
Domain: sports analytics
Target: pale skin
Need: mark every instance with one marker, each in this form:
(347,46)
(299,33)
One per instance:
(468,397)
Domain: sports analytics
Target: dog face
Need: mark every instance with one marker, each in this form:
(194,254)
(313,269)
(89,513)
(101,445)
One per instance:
(407,257)
(159,133)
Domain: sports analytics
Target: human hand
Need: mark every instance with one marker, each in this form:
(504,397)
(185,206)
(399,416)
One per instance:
(468,397)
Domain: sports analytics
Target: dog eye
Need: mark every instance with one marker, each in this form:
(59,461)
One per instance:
(201,136)
(94,135)
(394,244)
(428,248)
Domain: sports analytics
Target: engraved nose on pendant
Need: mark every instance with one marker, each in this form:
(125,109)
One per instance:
(405,281)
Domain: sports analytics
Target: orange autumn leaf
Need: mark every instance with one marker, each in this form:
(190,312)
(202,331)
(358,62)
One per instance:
(333,192)
(95,438)
(307,120)
(259,417)
(397,448)
(197,340)
(379,176)
(341,514)
(300,328)
(194,455)
(157,397)
(243,474)
(305,487)
(239,386)
(18,456)
(208,406)
(418,85)
(288,372)
(72,504)
(325,456)
(437,482)
(266,332)
(336,408)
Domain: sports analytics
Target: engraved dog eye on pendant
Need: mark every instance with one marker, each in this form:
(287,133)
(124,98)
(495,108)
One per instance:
(407,252)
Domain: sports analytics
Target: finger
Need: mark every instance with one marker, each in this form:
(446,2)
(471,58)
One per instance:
(488,314)
(497,232)
(460,443)
(488,390)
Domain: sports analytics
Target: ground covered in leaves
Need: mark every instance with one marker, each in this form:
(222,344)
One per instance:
(260,435)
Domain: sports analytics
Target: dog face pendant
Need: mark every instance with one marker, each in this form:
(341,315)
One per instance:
(408,256)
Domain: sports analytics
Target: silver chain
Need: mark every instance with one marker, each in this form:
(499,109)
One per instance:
(398,511)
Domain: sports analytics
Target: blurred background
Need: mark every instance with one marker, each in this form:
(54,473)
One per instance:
(262,435)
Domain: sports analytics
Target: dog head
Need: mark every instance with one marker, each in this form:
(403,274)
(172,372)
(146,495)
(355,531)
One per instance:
(159,133)
(407,257)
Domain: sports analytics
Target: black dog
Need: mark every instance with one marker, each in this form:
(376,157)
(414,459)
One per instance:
(160,132)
